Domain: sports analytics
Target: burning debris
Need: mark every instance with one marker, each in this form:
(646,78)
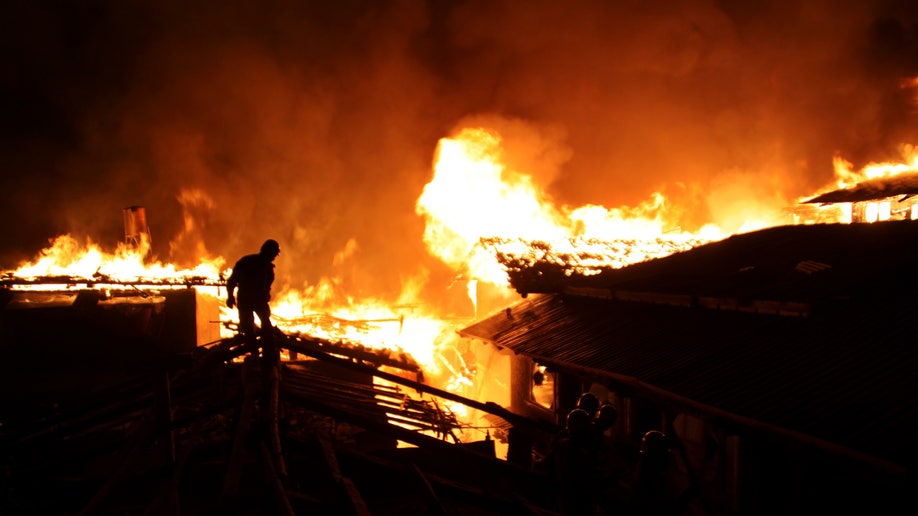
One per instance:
(533,266)
(103,282)
(579,257)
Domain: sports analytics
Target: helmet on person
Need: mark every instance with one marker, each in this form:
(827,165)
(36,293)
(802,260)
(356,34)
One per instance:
(607,416)
(578,420)
(654,442)
(588,402)
(270,248)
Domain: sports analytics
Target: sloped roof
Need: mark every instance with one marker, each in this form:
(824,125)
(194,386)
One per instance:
(841,372)
(803,263)
(880,188)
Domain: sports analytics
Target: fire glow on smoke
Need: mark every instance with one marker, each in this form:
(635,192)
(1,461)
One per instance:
(474,206)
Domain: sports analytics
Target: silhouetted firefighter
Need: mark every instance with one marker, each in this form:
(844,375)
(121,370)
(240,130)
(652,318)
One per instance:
(253,276)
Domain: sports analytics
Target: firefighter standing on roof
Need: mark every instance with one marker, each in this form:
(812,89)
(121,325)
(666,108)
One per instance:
(251,281)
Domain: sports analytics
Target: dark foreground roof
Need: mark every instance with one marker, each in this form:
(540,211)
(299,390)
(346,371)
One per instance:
(837,369)
(213,438)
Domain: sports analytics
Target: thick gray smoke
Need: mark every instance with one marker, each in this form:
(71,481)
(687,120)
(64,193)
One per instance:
(316,123)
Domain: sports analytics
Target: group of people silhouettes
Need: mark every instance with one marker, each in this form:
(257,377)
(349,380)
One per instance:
(595,476)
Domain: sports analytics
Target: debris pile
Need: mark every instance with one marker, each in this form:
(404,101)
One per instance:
(327,432)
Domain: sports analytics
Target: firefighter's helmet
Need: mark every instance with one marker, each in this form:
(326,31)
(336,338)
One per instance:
(578,420)
(607,416)
(654,442)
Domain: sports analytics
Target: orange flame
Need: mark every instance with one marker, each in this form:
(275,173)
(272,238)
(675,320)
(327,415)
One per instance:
(399,327)
(471,200)
(847,177)
(67,258)
(474,196)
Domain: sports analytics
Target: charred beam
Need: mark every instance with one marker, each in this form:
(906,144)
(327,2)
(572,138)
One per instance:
(377,358)
(356,499)
(488,407)
(9,281)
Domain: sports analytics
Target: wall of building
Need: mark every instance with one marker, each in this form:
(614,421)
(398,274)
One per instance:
(724,467)
(63,344)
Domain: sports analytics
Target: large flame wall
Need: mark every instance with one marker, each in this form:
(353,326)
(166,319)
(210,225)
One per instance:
(315,122)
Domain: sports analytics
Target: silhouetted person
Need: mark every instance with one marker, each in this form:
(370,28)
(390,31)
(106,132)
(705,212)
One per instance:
(253,276)
(606,417)
(572,462)
(653,493)
(614,467)
(588,402)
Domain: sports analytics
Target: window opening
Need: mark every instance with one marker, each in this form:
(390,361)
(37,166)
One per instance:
(542,386)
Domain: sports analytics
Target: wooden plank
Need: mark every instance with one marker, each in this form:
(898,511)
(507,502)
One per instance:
(357,502)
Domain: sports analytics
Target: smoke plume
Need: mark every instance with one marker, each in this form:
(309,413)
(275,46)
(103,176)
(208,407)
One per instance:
(315,123)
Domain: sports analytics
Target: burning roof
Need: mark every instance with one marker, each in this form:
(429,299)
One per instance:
(904,186)
(790,263)
(803,330)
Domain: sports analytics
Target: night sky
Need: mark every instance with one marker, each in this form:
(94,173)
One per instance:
(316,122)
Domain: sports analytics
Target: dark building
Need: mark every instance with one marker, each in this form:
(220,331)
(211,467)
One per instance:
(781,362)
(62,344)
